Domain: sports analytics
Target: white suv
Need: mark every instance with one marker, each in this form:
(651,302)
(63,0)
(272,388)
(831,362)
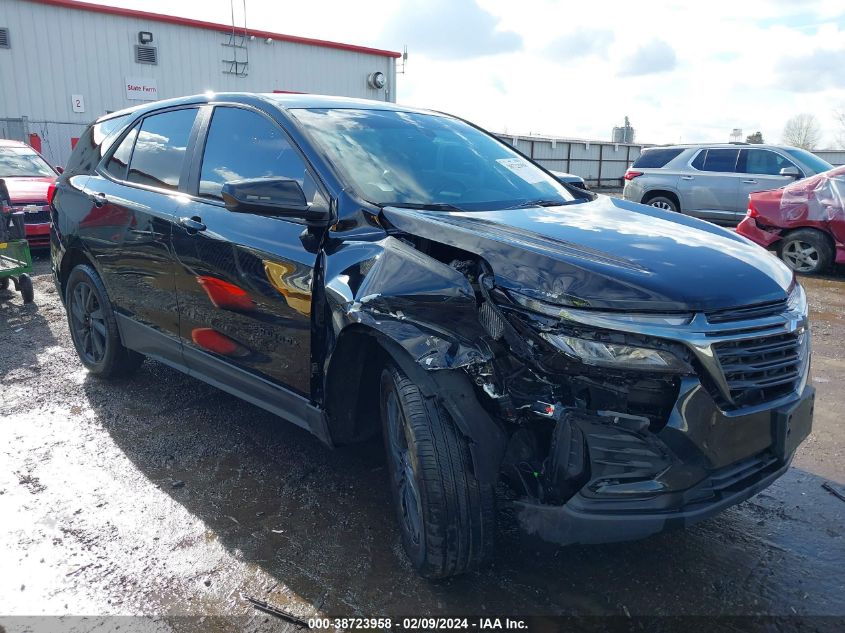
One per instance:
(712,182)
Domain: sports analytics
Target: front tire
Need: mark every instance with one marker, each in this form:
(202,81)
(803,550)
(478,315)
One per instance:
(806,251)
(93,326)
(446,517)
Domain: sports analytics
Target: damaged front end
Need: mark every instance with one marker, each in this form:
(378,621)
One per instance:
(598,424)
(626,424)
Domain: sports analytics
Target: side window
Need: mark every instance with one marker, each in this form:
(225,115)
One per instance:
(721,160)
(160,149)
(119,161)
(764,162)
(698,162)
(241,145)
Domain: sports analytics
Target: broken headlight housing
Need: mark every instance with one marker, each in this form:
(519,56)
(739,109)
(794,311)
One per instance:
(616,355)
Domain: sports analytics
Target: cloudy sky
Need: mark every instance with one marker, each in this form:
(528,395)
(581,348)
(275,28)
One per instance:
(682,71)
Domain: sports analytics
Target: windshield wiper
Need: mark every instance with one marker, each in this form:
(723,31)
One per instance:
(539,203)
(423,206)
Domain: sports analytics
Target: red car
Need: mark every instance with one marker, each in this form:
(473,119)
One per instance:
(804,220)
(25,178)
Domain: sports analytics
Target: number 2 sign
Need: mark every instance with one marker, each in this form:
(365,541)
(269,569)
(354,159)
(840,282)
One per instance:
(77,103)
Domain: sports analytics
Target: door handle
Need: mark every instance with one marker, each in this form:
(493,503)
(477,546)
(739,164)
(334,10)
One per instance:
(687,177)
(192,225)
(99,199)
(750,182)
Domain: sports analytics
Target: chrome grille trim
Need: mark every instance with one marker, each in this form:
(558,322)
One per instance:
(704,338)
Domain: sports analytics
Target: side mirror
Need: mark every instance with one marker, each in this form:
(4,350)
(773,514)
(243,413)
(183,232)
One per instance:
(790,172)
(271,196)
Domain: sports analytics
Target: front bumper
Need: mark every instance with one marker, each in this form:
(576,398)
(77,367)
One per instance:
(702,462)
(38,235)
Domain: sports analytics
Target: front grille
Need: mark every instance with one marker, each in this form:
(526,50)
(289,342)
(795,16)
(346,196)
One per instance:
(758,311)
(763,369)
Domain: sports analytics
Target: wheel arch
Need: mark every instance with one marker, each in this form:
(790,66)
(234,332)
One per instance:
(365,350)
(73,256)
(648,196)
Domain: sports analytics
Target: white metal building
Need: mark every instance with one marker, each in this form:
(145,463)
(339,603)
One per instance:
(63,63)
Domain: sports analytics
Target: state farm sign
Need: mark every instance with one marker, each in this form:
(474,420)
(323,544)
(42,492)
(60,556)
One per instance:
(141,89)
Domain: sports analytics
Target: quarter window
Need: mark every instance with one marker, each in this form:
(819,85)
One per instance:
(244,145)
(160,149)
(119,161)
(656,158)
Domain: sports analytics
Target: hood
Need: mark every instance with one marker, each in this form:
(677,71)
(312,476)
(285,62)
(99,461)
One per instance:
(609,253)
(27,189)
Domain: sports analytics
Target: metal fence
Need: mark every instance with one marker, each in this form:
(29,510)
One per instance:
(599,163)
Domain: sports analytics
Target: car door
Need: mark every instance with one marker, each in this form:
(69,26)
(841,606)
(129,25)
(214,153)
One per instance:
(760,171)
(245,280)
(134,200)
(711,186)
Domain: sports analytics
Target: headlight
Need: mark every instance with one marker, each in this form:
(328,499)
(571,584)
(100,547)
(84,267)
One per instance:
(797,301)
(616,355)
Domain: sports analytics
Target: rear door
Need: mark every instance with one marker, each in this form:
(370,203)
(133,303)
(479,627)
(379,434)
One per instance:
(134,199)
(244,280)
(712,186)
(760,171)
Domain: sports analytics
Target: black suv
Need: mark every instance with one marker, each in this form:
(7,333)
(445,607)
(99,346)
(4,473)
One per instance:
(604,368)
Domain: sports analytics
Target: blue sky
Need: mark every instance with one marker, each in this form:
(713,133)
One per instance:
(682,71)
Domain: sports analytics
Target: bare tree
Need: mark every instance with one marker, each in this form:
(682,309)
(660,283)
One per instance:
(802,131)
(754,139)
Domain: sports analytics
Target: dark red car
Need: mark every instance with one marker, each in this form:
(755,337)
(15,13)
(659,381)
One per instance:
(25,178)
(805,221)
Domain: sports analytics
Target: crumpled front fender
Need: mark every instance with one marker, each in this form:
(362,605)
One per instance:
(423,305)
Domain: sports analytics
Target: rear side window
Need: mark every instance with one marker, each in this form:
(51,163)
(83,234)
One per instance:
(657,157)
(244,145)
(720,160)
(160,149)
(119,161)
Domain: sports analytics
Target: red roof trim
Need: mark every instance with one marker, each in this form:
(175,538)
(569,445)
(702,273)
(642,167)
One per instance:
(211,26)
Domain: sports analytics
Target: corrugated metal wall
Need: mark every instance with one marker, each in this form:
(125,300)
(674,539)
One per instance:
(600,163)
(835,157)
(57,52)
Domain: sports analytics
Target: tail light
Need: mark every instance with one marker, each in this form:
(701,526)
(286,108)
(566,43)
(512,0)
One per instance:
(631,174)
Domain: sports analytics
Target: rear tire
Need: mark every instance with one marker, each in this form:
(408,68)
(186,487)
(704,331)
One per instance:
(662,202)
(93,326)
(806,251)
(446,517)
(25,286)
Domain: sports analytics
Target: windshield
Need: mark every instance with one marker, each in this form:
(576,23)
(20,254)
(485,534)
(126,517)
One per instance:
(413,159)
(810,160)
(22,162)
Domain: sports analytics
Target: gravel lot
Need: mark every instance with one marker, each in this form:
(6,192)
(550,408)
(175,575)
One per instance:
(162,496)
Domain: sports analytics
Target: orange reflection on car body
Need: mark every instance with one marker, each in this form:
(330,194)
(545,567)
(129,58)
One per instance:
(279,276)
